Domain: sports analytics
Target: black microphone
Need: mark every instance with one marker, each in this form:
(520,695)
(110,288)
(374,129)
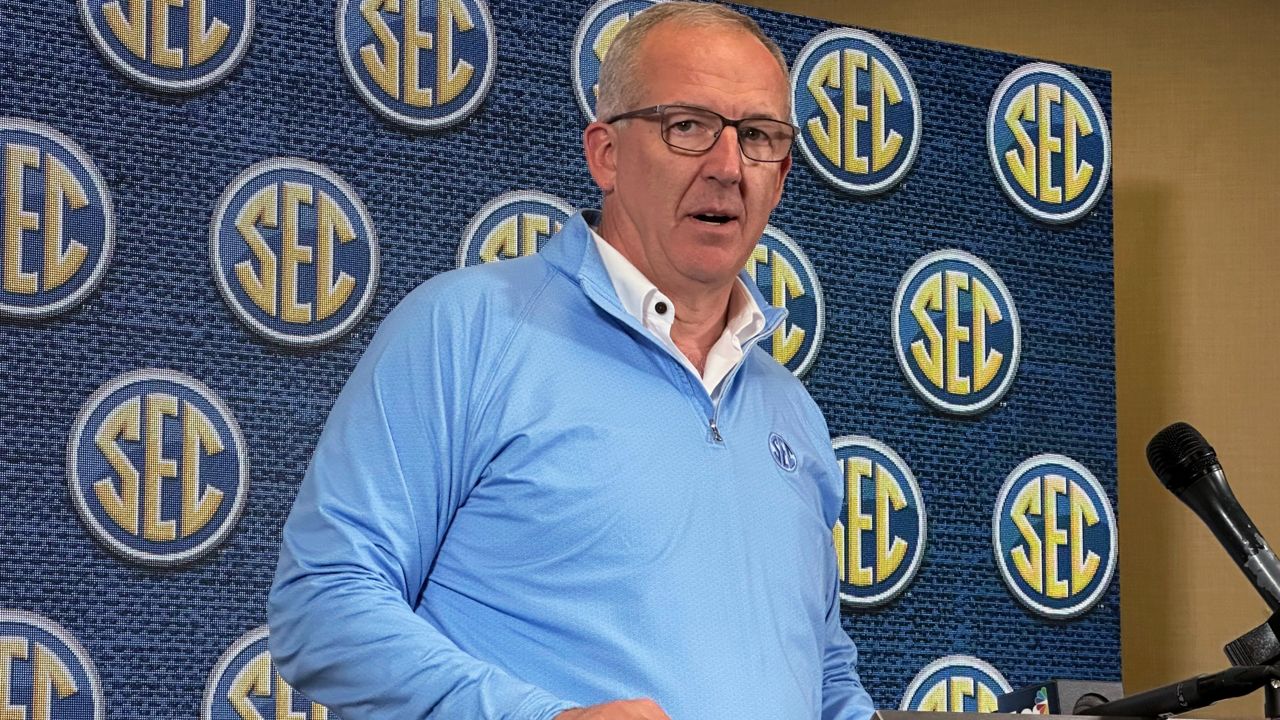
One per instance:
(1189,468)
(1190,694)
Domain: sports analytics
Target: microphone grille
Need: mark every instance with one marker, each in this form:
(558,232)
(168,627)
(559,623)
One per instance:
(1177,455)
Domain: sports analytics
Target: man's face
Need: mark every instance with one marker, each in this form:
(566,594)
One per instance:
(687,220)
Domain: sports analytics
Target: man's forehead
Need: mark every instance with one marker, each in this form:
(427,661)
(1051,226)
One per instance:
(684,59)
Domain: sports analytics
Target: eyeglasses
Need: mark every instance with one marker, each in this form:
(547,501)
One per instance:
(696,130)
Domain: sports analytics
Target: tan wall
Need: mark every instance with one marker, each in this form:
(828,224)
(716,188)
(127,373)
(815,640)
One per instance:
(1195,102)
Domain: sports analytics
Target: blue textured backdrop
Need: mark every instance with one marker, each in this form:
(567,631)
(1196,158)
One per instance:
(155,634)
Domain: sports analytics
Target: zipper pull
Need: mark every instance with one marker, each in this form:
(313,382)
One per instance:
(715,431)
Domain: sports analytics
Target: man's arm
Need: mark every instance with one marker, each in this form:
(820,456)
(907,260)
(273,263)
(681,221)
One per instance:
(843,697)
(391,468)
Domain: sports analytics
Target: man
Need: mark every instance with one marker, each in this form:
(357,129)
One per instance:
(571,486)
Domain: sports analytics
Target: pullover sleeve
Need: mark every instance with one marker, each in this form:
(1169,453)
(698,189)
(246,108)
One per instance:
(391,468)
(843,697)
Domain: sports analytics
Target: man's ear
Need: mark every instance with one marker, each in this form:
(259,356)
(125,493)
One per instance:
(601,150)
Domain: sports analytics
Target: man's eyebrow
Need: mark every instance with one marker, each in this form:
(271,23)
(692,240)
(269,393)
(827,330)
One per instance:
(762,115)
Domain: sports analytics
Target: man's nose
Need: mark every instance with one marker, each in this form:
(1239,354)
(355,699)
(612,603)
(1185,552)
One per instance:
(723,162)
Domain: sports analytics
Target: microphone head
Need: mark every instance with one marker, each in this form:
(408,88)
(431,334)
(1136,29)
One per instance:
(1179,455)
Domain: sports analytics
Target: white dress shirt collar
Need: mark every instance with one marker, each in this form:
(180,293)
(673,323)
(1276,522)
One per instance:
(655,311)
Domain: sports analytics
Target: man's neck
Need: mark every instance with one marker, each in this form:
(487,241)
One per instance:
(699,325)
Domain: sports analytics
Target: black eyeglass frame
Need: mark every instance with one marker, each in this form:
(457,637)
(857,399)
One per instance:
(658,110)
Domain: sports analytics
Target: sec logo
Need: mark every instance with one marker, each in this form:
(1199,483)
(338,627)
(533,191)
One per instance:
(596,32)
(44,672)
(512,225)
(244,685)
(880,535)
(171,45)
(956,332)
(157,467)
(956,683)
(787,280)
(58,222)
(425,64)
(1054,536)
(1048,142)
(857,109)
(294,252)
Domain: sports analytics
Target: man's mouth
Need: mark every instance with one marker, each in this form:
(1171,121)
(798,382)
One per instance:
(713,218)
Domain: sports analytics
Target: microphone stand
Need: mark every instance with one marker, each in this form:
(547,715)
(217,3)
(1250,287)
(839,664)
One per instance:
(1191,694)
(1261,646)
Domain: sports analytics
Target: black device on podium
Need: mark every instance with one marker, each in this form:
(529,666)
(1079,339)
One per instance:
(922,715)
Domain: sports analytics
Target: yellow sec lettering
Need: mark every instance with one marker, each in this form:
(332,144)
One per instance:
(953,282)
(889,497)
(1029,557)
(787,340)
(935,699)
(1038,562)
(12,648)
(293,254)
(253,679)
(929,359)
(1075,125)
(987,702)
(200,439)
(17,158)
(332,223)
(257,679)
(61,189)
(416,41)
(204,39)
(986,362)
(502,241)
(1054,536)
(383,63)
(161,53)
(533,227)
(603,40)
(273,285)
(284,704)
(123,423)
(851,62)
(260,211)
(855,469)
(1050,144)
(383,67)
(1032,163)
(51,680)
(517,236)
(960,687)
(838,539)
(826,135)
(1022,165)
(786,286)
(130,28)
(156,468)
(1083,514)
(884,92)
(938,353)
(836,134)
(140,494)
(63,256)
(452,78)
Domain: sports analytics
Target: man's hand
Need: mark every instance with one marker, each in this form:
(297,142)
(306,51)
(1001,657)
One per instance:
(641,709)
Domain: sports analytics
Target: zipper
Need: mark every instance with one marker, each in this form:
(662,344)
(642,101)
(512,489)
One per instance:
(715,431)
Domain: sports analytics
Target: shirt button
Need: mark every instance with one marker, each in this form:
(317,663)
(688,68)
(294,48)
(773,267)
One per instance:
(660,307)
